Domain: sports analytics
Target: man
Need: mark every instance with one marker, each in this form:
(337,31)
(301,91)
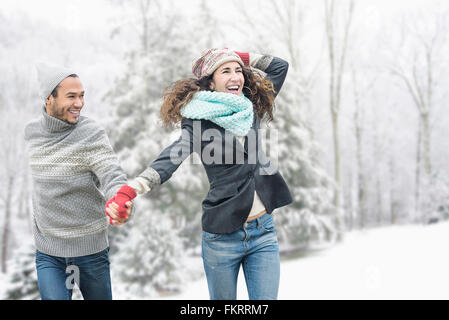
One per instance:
(74,169)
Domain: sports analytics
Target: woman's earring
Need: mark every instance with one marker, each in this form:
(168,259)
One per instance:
(249,89)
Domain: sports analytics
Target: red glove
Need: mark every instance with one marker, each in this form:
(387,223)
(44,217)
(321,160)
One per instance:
(244,56)
(124,194)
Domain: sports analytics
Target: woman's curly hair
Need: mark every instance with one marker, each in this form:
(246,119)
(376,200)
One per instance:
(257,89)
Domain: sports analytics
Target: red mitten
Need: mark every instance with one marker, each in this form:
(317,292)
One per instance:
(244,56)
(107,205)
(124,194)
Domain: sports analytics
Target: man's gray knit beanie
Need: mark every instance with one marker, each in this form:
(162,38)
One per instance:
(49,77)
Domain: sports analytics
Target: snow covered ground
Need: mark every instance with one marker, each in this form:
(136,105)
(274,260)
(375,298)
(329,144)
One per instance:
(398,262)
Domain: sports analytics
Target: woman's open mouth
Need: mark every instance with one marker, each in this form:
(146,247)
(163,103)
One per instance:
(233,89)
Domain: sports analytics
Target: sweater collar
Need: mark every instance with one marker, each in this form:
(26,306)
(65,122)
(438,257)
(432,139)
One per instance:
(53,124)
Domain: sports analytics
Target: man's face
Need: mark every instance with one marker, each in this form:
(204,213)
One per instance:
(69,101)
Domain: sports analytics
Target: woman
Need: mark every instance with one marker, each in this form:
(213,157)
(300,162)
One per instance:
(220,113)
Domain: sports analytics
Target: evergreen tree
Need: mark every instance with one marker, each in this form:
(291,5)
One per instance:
(20,282)
(148,262)
(309,219)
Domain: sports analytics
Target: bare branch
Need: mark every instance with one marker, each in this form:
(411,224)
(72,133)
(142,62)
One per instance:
(343,53)
(409,86)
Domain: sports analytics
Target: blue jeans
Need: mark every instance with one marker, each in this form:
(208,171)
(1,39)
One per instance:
(57,276)
(255,247)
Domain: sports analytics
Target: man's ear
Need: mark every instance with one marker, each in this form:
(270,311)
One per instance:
(49,100)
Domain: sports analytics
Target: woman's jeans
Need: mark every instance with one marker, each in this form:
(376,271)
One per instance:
(255,247)
(57,276)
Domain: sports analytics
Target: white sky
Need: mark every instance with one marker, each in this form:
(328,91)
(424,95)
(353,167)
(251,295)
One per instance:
(94,13)
(78,14)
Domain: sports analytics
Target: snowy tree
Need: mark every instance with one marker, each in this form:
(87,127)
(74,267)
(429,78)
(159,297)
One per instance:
(14,201)
(440,198)
(338,36)
(148,262)
(309,218)
(418,66)
(20,282)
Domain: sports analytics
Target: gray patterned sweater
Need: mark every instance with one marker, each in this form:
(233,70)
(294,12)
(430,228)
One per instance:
(74,169)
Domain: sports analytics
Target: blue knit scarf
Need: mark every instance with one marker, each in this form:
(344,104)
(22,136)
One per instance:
(229,111)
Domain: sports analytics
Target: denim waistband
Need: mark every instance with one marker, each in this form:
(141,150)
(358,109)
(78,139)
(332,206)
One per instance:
(259,221)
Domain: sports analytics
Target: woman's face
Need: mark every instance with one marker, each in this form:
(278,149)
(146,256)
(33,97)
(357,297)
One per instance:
(228,78)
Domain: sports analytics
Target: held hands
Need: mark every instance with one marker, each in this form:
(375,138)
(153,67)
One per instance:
(115,219)
(119,207)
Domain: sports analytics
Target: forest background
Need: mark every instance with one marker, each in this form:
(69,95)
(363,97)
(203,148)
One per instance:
(360,122)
